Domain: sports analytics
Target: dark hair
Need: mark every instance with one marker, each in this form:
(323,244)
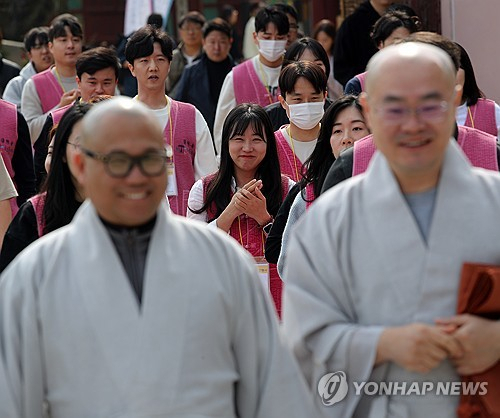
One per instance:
(218,24)
(59,24)
(236,123)
(34,36)
(156,20)
(315,168)
(398,7)
(310,71)
(440,41)
(272,15)
(328,27)
(226,12)
(141,43)
(192,17)
(297,48)
(388,23)
(471,91)
(60,204)
(287,9)
(96,59)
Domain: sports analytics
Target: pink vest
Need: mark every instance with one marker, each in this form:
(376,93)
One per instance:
(57,114)
(479,147)
(48,88)
(361,78)
(38,202)
(253,239)
(8,141)
(483,116)
(247,86)
(183,121)
(286,158)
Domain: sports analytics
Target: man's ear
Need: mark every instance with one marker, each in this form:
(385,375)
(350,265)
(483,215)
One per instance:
(131,68)
(458,95)
(78,160)
(365,105)
(282,101)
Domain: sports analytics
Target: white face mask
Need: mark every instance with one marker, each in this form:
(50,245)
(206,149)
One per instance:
(306,115)
(271,50)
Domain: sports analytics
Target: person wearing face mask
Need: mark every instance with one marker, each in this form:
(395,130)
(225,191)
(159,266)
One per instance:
(303,92)
(255,80)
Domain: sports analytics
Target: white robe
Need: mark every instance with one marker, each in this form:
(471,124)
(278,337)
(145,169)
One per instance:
(204,343)
(357,262)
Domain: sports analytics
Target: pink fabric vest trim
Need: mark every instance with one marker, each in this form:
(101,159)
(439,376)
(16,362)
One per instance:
(8,141)
(48,88)
(361,77)
(38,203)
(310,197)
(59,113)
(478,146)
(247,86)
(183,120)
(286,157)
(363,153)
(483,116)
(253,239)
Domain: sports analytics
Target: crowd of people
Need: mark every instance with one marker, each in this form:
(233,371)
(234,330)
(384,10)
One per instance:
(247,234)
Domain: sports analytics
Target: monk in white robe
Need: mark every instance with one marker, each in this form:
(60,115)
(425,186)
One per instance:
(371,277)
(200,340)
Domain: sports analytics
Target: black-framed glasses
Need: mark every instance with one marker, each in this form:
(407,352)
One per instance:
(119,164)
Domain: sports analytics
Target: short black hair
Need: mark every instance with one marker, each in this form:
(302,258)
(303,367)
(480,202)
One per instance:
(97,59)
(272,15)
(36,36)
(59,23)
(193,17)
(287,9)
(309,70)
(156,20)
(141,43)
(217,24)
(297,48)
(388,23)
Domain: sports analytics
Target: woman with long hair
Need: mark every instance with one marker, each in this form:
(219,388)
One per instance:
(61,194)
(475,110)
(342,125)
(244,195)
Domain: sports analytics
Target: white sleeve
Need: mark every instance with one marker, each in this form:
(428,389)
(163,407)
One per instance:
(7,189)
(297,209)
(497,119)
(31,108)
(227,101)
(195,201)
(13,91)
(204,161)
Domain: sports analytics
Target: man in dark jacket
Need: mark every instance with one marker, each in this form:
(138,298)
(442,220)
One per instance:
(201,81)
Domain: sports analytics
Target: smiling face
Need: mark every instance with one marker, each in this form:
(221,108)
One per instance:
(132,200)
(151,71)
(65,49)
(349,126)
(247,151)
(413,144)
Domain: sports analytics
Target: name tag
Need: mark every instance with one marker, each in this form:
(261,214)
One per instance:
(172,181)
(263,272)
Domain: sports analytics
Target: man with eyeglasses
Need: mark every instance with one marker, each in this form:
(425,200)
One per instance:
(36,46)
(377,259)
(189,49)
(55,87)
(117,320)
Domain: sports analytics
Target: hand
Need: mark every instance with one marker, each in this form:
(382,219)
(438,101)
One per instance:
(252,202)
(479,339)
(416,347)
(69,97)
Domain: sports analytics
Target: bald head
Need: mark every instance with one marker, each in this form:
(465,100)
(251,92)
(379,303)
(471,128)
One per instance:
(409,53)
(106,116)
